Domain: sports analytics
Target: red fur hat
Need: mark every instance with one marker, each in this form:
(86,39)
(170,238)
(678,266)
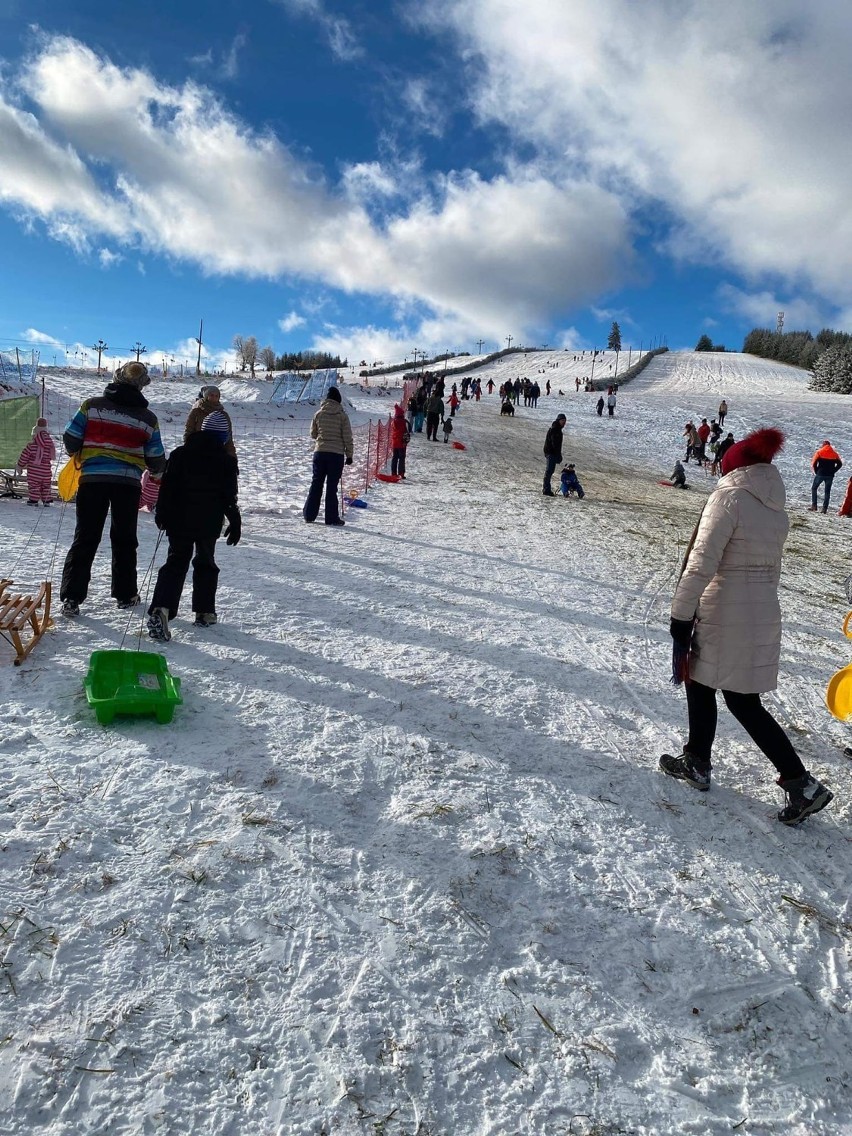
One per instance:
(757,448)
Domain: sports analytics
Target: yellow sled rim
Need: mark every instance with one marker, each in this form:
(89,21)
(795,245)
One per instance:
(838,695)
(847,629)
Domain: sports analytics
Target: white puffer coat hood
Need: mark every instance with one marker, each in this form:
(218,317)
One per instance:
(730,582)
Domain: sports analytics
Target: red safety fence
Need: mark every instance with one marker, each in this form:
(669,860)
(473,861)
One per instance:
(372,453)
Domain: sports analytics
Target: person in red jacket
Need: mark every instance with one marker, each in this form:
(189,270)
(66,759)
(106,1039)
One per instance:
(455,403)
(399,441)
(825,464)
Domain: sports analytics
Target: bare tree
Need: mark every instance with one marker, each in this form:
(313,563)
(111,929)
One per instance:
(267,358)
(250,353)
(240,348)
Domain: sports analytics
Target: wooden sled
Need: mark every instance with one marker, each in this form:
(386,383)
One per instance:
(18,613)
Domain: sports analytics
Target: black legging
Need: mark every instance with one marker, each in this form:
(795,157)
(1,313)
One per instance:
(754,718)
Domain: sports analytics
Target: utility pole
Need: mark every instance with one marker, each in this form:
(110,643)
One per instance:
(198,341)
(479,343)
(509,340)
(140,350)
(100,347)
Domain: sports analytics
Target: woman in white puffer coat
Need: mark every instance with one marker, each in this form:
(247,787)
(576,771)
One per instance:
(726,613)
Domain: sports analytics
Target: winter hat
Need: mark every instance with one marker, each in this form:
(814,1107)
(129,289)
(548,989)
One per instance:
(135,374)
(757,448)
(334,394)
(211,389)
(217,424)
(41,425)
(398,412)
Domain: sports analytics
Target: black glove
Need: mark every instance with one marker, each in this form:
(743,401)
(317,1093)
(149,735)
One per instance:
(160,522)
(234,529)
(681,631)
(348,461)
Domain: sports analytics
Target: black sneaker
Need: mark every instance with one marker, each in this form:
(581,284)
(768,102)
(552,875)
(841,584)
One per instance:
(805,795)
(337,523)
(687,768)
(548,493)
(126,605)
(205,618)
(70,608)
(158,625)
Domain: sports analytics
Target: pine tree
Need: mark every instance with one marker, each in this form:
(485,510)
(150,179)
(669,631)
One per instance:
(614,341)
(833,370)
(705,343)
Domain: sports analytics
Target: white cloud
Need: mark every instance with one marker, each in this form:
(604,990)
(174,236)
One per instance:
(341,37)
(735,117)
(108,258)
(111,153)
(230,64)
(761,309)
(291,321)
(31,335)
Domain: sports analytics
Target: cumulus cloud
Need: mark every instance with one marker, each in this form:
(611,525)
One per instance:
(291,321)
(108,258)
(111,153)
(761,308)
(735,117)
(32,335)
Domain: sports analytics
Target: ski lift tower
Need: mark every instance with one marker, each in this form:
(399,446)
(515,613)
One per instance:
(779,323)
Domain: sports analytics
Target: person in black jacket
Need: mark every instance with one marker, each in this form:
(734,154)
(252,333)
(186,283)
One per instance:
(198,490)
(553,451)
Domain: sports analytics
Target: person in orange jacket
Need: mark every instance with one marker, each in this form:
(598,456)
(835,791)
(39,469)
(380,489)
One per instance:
(825,464)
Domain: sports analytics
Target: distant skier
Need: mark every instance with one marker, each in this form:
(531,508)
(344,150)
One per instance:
(610,403)
(723,412)
(547,386)
(599,406)
(490,385)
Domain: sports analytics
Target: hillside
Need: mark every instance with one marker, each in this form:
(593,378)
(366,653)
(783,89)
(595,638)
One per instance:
(403,863)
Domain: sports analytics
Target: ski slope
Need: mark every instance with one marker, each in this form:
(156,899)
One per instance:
(404,863)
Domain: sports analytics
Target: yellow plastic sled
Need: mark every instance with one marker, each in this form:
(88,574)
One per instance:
(838,695)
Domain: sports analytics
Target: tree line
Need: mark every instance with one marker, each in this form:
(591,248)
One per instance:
(828,354)
(250,357)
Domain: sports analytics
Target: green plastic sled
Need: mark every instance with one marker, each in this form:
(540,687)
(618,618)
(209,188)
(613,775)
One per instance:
(131,682)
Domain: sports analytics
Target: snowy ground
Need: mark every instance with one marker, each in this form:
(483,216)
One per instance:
(403,863)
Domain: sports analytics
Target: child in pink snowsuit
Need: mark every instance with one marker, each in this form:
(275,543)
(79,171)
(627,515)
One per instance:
(150,491)
(37,458)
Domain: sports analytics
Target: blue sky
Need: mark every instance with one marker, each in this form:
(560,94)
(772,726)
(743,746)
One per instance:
(371,177)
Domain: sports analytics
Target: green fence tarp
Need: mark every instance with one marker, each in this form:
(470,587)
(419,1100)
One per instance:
(17,418)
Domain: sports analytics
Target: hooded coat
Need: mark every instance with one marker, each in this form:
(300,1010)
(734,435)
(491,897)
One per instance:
(331,429)
(195,419)
(730,582)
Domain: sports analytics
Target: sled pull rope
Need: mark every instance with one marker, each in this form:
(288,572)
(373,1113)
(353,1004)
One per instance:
(146,586)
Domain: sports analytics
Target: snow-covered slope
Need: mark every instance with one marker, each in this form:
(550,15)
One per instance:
(403,863)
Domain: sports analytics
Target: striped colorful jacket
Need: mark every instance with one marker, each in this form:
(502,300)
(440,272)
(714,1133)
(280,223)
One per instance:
(116,436)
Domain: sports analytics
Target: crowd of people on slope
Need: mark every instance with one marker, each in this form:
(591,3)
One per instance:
(725,616)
